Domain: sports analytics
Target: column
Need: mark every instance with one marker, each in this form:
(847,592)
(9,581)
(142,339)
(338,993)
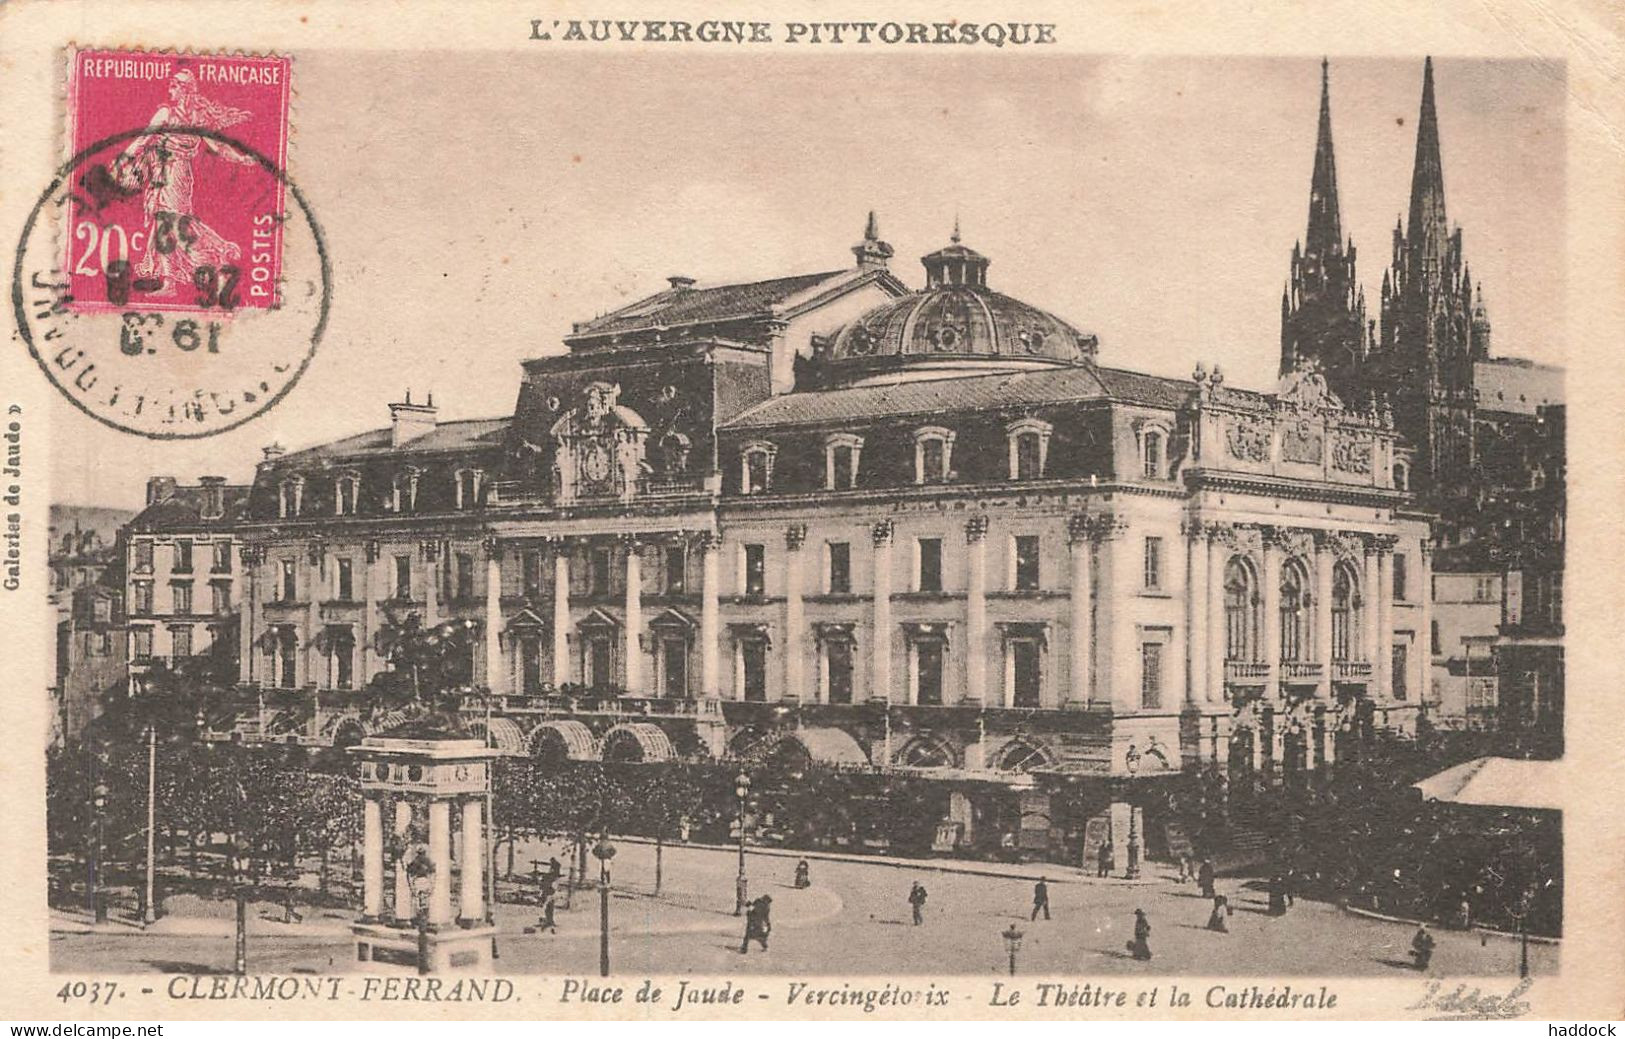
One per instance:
(1369,620)
(370,584)
(632,642)
(404,908)
(1384,664)
(561,612)
(1123,572)
(245,616)
(496,669)
(1080,633)
(440,857)
(1216,632)
(795,666)
(880,642)
(1196,602)
(1271,649)
(315,674)
(710,546)
(372,858)
(1325,561)
(431,584)
(471,899)
(1424,684)
(976,610)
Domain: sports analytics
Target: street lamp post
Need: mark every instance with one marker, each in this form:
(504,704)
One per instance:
(420,878)
(98,904)
(239,890)
(1012,944)
(741,885)
(149,908)
(1133,873)
(604,851)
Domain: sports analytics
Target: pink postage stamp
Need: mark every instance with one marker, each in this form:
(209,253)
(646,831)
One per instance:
(180,204)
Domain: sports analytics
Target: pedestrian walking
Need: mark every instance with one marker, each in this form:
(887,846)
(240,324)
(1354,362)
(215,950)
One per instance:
(1464,915)
(758,924)
(1277,891)
(1140,947)
(803,874)
(1107,860)
(1204,877)
(1185,872)
(1289,886)
(1041,898)
(1422,947)
(1218,920)
(916,901)
(550,903)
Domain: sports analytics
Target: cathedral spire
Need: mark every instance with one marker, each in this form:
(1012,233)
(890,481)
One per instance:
(1429,230)
(1325,223)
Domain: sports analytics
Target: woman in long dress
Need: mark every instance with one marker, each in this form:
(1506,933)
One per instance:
(163,163)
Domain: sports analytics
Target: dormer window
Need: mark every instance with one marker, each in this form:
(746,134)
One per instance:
(1402,476)
(841,454)
(933,455)
(346,491)
(292,497)
(674,448)
(1029,448)
(756,467)
(469,483)
(404,495)
(1153,440)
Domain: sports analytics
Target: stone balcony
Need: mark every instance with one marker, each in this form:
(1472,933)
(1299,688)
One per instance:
(1351,670)
(1246,671)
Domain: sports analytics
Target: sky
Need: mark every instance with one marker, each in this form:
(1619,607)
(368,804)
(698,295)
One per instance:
(475,205)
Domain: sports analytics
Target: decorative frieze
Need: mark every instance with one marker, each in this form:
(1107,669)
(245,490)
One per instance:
(1084,527)
(1302,441)
(1248,439)
(1351,453)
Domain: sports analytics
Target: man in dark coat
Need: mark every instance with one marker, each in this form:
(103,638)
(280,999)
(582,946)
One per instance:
(1140,947)
(1041,898)
(1217,921)
(1204,877)
(916,900)
(757,923)
(1107,860)
(1277,895)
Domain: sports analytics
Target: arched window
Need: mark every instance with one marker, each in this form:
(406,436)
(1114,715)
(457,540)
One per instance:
(1153,455)
(674,449)
(756,467)
(1294,611)
(933,454)
(1153,440)
(1240,611)
(346,491)
(842,452)
(405,491)
(469,483)
(1345,604)
(1029,446)
(293,495)
(1402,476)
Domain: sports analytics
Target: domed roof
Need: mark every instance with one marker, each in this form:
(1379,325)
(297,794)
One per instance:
(955,318)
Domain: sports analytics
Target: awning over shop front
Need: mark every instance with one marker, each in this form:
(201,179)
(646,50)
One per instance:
(1496,783)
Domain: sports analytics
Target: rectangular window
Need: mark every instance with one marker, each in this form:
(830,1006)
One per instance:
(102,611)
(1025,674)
(180,640)
(1399,674)
(1153,564)
(1151,675)
(222,557)
(930,570)
(343,659)
(222,597)
(344,580)
(599,663)
(183,556)
(143,556)
(841,476)
(1400,578)
(673,669)
(465,576)
(289,586)
(403,577)
(928,671)
(1433,639)
(840,568)
(598,572)
(933,459)
(838,653)
(104,642)
(1027,563)
(530,666)
(676,570)
(753,664)
(141,596)
(182,591)
(1029,465)
(756,472)
(755,570)
(141,643)
(531,568)
(287,652)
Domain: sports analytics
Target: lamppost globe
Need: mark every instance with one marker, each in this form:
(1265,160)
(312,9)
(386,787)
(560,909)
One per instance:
(99,794)
(742,786)
(603,851)
(1012,943)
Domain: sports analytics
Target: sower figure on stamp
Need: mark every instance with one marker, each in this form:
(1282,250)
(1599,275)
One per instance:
(1041,898)
(757,923)
(916,900)
(1140,947)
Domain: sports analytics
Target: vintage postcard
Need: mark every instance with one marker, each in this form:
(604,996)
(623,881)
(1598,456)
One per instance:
(768,511)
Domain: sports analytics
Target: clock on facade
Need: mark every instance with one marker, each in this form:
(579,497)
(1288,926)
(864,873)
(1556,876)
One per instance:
(595,461)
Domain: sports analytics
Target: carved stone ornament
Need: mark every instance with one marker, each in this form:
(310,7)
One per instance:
(881,532)
(1352,454)
(795,535)
(1302,441)
(1248,440)
(975,529)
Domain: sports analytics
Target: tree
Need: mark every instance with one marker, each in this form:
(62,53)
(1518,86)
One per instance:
(430,667)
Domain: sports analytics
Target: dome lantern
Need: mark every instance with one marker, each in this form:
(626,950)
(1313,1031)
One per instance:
(955,264)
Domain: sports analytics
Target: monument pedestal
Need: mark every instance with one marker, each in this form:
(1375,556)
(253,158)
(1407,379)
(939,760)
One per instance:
(389,948)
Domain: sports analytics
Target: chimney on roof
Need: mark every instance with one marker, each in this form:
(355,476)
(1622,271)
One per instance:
(273,451)
(160,488)
(681,282)
(409,421)
(214,496)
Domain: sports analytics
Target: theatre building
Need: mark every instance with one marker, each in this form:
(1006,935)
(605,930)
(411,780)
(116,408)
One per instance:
(828,521)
